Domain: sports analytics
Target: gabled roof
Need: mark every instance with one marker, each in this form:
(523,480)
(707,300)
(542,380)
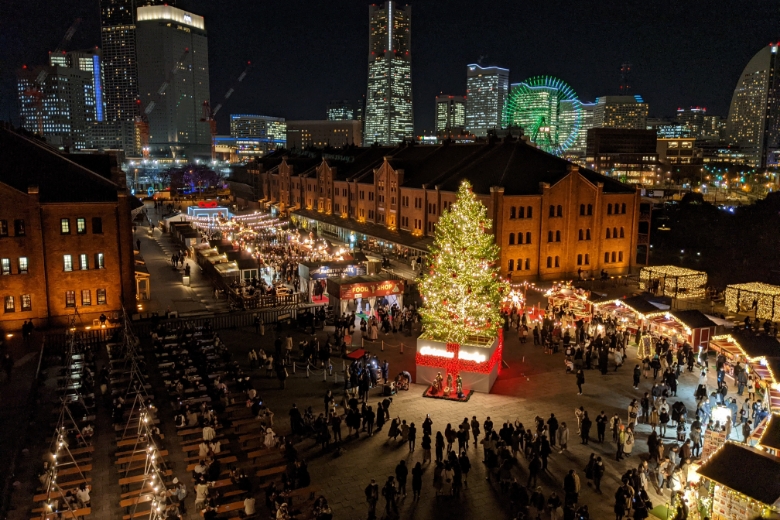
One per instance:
(757,345)
(745,470)
(771,436)
(640,305)
(694,319)
(27,162)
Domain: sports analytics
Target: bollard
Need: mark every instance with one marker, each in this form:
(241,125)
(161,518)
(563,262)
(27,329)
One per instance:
(307,370)
(361,342)
(324,375)
(402,348)
(383,345)
(293,367)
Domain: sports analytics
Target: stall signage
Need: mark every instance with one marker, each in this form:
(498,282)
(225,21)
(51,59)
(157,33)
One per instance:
(207,204)
(368,290)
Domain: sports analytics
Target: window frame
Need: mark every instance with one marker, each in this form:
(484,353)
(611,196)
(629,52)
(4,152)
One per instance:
(26,268)
(100,296)
(86,302)
(5,262)
(28,299)
(83,262)
(67,263)
(97,225)
(81,226)
(70,299)
(6,301)
(64,226)
(3,228)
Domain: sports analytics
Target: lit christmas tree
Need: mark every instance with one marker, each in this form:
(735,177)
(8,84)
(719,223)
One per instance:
(462,289)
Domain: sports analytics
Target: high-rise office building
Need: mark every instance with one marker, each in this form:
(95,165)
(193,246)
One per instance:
(486,92)
(173,73)
(754,114)
(389,116)
(323,133)
(247,125)
(693,119)
(629,112)
(580,146)
(450,113)
(117,36)
(88,61)
(627,154)
(57,102)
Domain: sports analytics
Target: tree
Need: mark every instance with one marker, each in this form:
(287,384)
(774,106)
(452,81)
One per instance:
(462,289)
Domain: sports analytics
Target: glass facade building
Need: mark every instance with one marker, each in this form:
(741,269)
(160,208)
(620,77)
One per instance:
(628,112)
(754,114)
(486,92)
(450,113)
(389,116)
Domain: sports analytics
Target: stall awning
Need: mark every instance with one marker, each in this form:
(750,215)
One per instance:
(736,466)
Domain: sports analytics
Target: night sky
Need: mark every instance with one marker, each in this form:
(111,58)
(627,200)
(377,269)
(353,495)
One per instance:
(684,52)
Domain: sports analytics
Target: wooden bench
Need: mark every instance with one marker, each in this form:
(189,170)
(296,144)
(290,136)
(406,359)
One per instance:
(270,472)
(243,439)
(137,514)
(135,479)
(197,457)
(129,502)
(132,425)
(74,470)
(250,424)
(234,493)
(196,442)
(74,514)
(227,508)
(67,484)
(132,441)
(137,458)
(222,460)
(85,449)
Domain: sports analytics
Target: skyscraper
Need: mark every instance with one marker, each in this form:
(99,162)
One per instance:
(450,113)
(754,115)
(628,112)
(341,110)
(173,73)
(486,91)
(693,119)
(389,116)
(117,36)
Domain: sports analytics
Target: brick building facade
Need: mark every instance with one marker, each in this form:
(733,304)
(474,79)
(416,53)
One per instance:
(66,248)
(550,217)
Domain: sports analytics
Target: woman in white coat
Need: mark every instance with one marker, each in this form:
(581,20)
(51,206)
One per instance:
(628,446)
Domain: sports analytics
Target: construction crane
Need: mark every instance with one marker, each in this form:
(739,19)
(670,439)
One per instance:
(208,114)
(35,91)
(142,120)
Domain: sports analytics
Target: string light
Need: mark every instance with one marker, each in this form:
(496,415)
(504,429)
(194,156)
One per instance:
(767,298)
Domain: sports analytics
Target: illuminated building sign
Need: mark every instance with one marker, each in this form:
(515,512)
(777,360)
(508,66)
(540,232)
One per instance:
(207,204)
(430,351)
(369,290)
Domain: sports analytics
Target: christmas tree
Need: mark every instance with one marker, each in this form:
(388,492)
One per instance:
(462,289)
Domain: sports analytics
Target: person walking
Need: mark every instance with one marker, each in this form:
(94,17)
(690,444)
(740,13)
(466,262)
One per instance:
(475,430)
(585,429)
(390,493)
(439,447)
(580,381)
(372,497)
(552,426)
(563,437)
(571,488)
(412,436)
(601,426)
(426,447)
(637,376)
(465,467)
(401,475)
(598,474)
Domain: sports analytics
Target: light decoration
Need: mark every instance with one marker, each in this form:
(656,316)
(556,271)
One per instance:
(740,297)
(461,361)
(430,351)
(669,317)
(760,360)
(462,290)
(678,282)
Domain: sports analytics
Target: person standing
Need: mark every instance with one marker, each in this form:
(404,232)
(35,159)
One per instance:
(426,447)
(637,376)
(563,437)
(552,424)
(465,467)
(390,493)
(475,429)
(401,475)
(412,436)
(372,497)
(621,441)
(598,474)
(417,472)
(571,488)
(585,429)
(601,426)
(439,447)
(370,417)
(580,381)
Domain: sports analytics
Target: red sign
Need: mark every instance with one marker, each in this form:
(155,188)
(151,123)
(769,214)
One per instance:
(207,204)
(371,289)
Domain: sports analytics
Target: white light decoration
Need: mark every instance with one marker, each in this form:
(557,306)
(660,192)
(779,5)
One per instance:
(472,356)
(430,351)
(678,282)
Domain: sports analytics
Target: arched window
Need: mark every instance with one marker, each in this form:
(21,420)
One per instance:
(614,232)
(609,233)
(606,258)
(519,238)
(552,210)
(587,234)
(511,239)
(609,209)
(520,212)
(623,208)
(528,237)
(557,236)
(590,209)
(620,256)
(512,212)
(621,233)
(557,262)
(560,211)
(587,259)
(549,236)
(529,212)
(519,264)
(614,257)
(582,209)
(549,262)
(579,259)
(527,264)
(511,265)
(580,236)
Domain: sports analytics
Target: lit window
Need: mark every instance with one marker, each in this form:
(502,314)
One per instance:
(81,226)
(65,226)
(9,305)
(101,296)
(86,297)
(5,265)
(70,298)
(26,302)
(67,261)
(83,262)
(23,265)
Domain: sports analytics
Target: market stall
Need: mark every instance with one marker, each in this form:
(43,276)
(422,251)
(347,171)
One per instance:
(689,325)
(762,298)
(313,275)
(364,292)
(672,281)
(734,491)
(760,354)
(570,299)
(769,436)
(631,313)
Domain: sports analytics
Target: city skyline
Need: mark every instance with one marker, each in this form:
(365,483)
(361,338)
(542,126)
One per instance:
(339,68)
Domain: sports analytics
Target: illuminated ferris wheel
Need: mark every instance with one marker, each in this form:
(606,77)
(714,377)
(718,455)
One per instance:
(548,111)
